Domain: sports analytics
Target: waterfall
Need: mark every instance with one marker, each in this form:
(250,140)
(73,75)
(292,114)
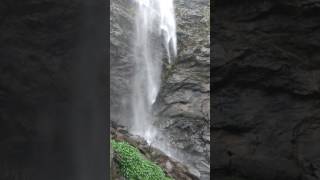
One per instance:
(155,32)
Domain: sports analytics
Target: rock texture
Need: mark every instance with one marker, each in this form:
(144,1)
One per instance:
(183,105)
(171,167)
(121,62)
(266,87)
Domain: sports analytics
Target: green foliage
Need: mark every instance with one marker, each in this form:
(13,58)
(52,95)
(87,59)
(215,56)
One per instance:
(134,166)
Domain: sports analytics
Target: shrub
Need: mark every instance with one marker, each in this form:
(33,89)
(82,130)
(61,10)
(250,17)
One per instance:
(133,165)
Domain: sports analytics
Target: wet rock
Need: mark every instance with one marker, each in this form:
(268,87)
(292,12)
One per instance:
(168,166)
(172,167)
(206,137)
(183,106)
(121,33)
(194,172)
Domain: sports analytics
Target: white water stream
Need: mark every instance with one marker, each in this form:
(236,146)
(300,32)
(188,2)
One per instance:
(155,37)
(155,28)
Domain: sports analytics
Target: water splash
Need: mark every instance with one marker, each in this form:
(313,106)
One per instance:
(155,28)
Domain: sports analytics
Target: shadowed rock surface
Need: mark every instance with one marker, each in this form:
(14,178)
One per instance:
(266,87)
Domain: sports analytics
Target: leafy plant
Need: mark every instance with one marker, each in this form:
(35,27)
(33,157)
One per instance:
(133,165)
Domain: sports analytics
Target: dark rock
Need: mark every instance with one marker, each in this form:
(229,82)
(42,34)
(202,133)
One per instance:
(265,74)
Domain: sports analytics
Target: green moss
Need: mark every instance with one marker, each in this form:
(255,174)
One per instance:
(134,166)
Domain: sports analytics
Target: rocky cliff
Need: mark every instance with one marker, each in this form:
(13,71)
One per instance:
(182,106)
(266,79)
(122,14)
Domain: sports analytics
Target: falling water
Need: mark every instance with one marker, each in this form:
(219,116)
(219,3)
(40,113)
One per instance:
(155,32)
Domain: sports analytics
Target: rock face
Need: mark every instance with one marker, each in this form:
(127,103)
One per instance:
(183,105)
(266,87)
(171,167)
(121,62)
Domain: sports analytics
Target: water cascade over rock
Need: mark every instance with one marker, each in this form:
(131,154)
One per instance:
(160,90)
(154,28)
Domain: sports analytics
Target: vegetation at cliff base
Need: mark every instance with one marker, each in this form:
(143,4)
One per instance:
(133,165)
